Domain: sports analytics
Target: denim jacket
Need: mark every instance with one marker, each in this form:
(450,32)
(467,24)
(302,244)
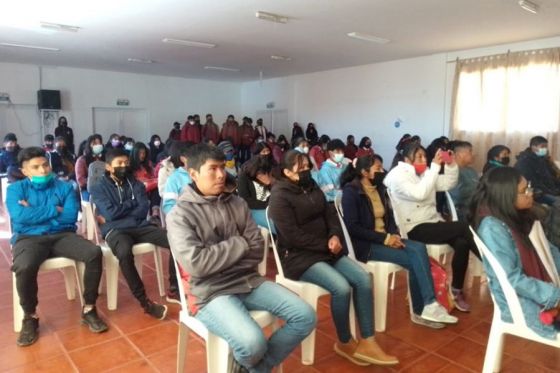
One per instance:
(533,294)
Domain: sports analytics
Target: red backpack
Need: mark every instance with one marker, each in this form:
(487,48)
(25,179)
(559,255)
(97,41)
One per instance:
(441,286)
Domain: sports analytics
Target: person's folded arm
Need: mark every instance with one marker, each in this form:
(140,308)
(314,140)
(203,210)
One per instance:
(29,215)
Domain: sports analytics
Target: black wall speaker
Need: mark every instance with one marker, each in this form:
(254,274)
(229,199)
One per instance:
(48,99)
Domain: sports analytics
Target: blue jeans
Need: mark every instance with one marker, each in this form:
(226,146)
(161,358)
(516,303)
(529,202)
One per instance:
(85,195)
(228,316)
(414,258)
(259,216)
(341,279)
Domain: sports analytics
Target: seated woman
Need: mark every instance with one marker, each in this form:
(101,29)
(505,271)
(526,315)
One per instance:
(502,216)
(253,185)
(92,152)
(372,230)
(144,172)
(156,147)
(497,156)
(309,239)
(413,187)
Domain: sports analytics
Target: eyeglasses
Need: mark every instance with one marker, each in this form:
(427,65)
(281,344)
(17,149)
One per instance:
(528,191)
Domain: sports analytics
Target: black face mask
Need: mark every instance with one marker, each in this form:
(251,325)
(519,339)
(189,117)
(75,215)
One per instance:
(505,161)
(367,145)
(61,149)
(305,180)
(378,178)
(121,172)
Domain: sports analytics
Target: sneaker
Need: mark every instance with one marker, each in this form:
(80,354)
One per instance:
(347,350)
(430,324)
(460,302)
(237,368)
(155,310)
(368,350)
(172,296)
(93,321)
(29,331)
(435,312)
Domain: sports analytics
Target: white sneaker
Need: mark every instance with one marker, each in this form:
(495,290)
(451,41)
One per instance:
(435,312)
(430,324)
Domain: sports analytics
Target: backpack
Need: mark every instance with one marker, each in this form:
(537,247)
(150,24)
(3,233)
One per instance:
(96,171)
(441,286)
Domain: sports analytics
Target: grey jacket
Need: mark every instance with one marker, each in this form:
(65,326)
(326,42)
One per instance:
(217,244)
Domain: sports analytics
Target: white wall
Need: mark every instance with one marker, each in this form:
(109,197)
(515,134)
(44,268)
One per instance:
(367,100)
(166,99)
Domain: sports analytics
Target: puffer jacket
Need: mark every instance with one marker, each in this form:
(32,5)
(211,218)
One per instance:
(538,171)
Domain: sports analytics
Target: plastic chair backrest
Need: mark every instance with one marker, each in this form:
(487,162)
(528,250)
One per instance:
(179,273)
(274,248)
(396,214)
(451,206)
(340,213)
(95,224)
(508,290)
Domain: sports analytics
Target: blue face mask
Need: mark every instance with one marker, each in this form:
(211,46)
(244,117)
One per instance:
(542,152)
(42,180)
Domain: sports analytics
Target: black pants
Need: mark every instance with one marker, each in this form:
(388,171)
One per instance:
(31,251)
(456,234)
(121,241)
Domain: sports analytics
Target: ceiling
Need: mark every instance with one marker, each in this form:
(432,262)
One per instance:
(112,31)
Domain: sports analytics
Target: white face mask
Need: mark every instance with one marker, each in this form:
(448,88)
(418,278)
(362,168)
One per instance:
(97,149)
(157,143)
(128,147)
(303,150)
(338,157)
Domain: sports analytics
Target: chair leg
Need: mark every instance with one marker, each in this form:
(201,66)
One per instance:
(393,277)
(159,271)
(218,355)
(112,278)
(380,290)
(69,280)
(263,263)
(495,349)
(308,344)
(182,345)
(79,271)
(353,320)
(138,263)
(18,311)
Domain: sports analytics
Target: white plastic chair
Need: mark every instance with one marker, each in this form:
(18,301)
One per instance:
(112,263)
(518,328)
(475,265)
(218,353)
(266,237)
(437,251)
(380,271)
(310,293)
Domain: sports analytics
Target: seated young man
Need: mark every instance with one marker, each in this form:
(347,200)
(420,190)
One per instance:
(122,205)
(43,211)
(218,245)
(463,192)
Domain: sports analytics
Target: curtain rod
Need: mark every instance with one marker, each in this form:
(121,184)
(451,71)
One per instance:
(500,55)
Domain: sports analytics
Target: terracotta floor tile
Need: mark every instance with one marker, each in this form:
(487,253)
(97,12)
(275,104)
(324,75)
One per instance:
(58,364)
(323,346)
(130,322)
(478,333)
(420,336)
(156,338)
(520,366)
(465,352)
(405,352)
(195,362)
(428,363)
(104,356)
(136,366)
(80,337)
(338,364)
(533,353)
(12,356)
(454,368)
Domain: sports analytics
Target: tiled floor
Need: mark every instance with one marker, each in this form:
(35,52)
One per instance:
(138,343)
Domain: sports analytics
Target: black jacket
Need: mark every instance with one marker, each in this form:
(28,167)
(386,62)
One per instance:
(305,222)
(359,219)
(538,171)
(247,191)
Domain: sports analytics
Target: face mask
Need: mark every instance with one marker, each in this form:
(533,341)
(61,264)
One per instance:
(229,156)
(303,150)
(42,180)
(542,152)
(97,149)
(338,157)
(128,147)
(115,143)
(60,149)
(121,172)
(10,148)
(157,143)
(191,122)
(505,161)
(305,180)
(367,145)
(420,168)
(378,178)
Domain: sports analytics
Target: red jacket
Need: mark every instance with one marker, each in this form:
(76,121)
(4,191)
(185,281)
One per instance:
(247,134)
(210,131)
(350,151)
(318,155)
(190,133)
(230,131)
(363,152)
(175,134)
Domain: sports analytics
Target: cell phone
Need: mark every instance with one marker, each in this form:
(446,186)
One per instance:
(446,156)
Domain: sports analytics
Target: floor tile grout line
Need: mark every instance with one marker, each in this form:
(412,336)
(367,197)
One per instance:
(142,355)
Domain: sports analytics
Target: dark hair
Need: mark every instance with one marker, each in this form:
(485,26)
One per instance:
(297,141)
(82,148)
(61,119)
(292,158)
(48,137)
(363,141)
(324,139)
(459,144)
(60,138)
(496,195)
(349,137)
(255,166)
(537,140)
(199,154)
(88,151)
(135,162)
(335,144)
(176,149)
(495,151)
(352,173)
(154,137)
(114,153)
(270,135)
(28,154)
(190,117)
(259,147)
(409,151)
(108,145)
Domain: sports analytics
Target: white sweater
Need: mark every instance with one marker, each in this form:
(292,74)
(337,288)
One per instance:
(414,197)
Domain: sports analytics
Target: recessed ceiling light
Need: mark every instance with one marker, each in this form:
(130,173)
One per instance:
(280,58)
(140,60)
(266,16)
(59,27)
(219,68)
(12,45)
(367,37)
(188,43)
(529,6)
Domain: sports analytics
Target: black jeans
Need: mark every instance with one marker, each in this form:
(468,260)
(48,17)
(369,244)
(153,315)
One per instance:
(456,234)
(31,251)
(121,241)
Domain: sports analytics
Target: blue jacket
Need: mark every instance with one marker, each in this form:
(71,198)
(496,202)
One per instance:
(328,178)
(41,216)
(122,206)
(532,293)
(173,188)
(358,218)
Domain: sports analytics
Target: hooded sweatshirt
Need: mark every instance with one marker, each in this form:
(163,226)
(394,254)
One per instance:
(217,245)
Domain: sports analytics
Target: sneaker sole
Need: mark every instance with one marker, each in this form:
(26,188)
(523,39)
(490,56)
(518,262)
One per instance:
(172,300)
(28,344)
(350,357)
(93,330)
(462,309)
(164,313)
(440,321)
(375,361)
(429,324)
